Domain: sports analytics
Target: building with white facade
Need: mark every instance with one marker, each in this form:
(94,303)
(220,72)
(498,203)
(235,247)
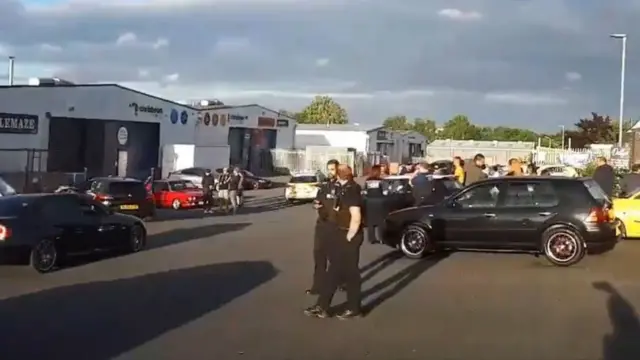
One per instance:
(398,146)
(106,129)
(254,130)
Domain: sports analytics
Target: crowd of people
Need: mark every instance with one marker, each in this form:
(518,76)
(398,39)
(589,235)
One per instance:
(226,191)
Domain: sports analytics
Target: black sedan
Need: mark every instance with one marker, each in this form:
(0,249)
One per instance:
(560,218)
(44,230)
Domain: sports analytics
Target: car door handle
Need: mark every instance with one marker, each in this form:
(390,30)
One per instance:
(544,213)
(489,215)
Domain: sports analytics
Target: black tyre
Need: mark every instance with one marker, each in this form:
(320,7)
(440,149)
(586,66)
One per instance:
(415,242)
(137,238)
(622,228)
(563,246)
(44,256)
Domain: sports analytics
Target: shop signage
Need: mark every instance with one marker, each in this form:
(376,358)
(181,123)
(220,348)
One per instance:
(236,119)
(215,120)
(174,116)
(207,119)
(283,123)
(123,136)
(18,123)
(266,121)
(223,119)
(145,109)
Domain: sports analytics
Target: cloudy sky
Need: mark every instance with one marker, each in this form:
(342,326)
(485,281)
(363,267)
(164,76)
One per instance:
(527,63)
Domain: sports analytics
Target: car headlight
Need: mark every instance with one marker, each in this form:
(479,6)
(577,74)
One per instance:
(106,203)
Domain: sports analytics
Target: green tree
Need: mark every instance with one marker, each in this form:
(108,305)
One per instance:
(291,114)
(459,128)
(427,127)
(397,122)
(594,130)
(323,110)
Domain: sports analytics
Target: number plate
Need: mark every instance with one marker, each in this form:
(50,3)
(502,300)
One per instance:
(129,207)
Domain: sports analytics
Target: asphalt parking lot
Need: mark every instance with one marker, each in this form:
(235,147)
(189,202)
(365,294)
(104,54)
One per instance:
(233,288)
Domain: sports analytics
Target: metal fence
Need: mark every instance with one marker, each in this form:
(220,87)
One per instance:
(290,161)
(495,152)
(579,157)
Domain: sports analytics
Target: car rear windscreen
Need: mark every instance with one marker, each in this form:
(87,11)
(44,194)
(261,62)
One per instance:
(11,205)
(596,191)
(136,189)
(452,185)
(303,179)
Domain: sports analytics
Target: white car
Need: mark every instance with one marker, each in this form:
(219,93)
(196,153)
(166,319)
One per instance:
(303,186)
(558,170)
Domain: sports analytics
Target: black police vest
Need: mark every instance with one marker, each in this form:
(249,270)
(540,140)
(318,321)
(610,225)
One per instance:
(328,199)
(342,214)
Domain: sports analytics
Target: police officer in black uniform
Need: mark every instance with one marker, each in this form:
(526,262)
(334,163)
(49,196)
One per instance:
(344,249)
(323,231)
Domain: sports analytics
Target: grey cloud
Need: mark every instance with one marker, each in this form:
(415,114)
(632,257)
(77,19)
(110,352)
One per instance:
(515,47)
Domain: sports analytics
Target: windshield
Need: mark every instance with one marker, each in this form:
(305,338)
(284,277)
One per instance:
(127,187)
(303,179)
(6,189)
(182,185)
(596,191)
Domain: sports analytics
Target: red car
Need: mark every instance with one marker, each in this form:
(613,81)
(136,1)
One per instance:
(177,194)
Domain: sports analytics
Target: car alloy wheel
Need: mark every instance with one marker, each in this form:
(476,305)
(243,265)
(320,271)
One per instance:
(563,247)
(137,238)
(414,242)
(175,204)
(44,256)
(622,229)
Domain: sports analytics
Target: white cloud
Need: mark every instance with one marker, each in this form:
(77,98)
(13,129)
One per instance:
(572,76)
(50,48)
(143,73)
(160,43)
(524,99)
(172,77)
(127,39)
(459,15)
(322,62)
(231,44)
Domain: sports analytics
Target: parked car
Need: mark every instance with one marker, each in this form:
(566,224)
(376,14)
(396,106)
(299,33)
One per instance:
(177,194)
(628,214)
(303,186)
(44,230)
(6,189)
(559,217)
(251,181)
(557,170)
(394,193)
(193,174)
(124,195)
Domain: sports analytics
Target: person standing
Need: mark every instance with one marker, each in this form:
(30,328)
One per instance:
(515,167)
(240,197)
(344,254)
(421,185)
(208,186)
(458,169)
(234,184)
(223,190)
(630,183)
(604,175)
(474,170)
(323,230)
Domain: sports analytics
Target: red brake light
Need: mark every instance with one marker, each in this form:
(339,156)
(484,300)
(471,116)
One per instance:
(598,215)
(5,233)
(100,197)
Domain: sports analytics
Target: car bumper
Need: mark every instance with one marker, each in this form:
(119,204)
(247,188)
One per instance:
(602,238)
(290,195)
(11,254)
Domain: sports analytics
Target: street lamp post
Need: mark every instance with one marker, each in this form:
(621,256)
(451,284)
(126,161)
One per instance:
(622,37)
(562,126)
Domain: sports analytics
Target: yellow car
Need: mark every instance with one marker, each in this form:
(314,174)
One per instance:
(303,186)
(627,211)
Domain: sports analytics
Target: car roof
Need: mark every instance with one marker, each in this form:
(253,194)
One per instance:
(114,178)
(306,173)
(534,178)
(409,176)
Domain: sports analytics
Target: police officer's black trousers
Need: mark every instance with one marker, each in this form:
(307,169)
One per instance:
(344,259)
(208,200)
(321,242)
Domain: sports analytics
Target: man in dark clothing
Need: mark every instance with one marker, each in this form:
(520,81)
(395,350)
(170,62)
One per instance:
(208,184)
(474,170)
(630,183)
(323,230)
(421,184)
(604,176)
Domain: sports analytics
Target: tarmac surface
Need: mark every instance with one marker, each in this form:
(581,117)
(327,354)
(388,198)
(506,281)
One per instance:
(232,287)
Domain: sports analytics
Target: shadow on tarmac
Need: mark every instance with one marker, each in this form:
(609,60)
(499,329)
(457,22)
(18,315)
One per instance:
(623,343)
(102,320)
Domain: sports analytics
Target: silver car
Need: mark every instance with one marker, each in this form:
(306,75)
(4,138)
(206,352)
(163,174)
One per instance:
(194,174)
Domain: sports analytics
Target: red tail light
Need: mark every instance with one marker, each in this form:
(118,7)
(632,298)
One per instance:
(598,215)
(5,233)
(100,197)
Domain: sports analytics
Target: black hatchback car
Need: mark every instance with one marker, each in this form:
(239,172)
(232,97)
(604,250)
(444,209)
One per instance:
(561,218)
(45,229)
(123,195)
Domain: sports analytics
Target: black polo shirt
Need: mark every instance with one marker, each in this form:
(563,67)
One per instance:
(350,195)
